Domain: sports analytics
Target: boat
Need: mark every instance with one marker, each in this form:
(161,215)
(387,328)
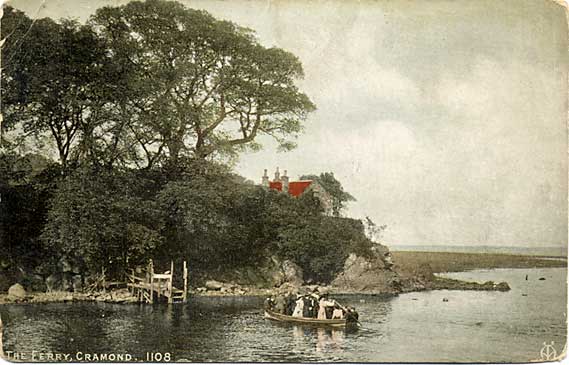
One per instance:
(336,323)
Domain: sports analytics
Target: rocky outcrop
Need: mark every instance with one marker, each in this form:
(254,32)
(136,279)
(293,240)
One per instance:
(17,291)
(371,274)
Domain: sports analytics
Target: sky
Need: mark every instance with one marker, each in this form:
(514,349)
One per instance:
(447,120)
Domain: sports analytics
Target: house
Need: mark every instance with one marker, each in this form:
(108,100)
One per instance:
(283,184)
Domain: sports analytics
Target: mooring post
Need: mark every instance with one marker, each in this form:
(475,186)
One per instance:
(170,283)
(104,282)
(151,281)
(2,356)
(185,295)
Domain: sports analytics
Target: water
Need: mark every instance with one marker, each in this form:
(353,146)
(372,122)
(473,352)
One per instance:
(416,327)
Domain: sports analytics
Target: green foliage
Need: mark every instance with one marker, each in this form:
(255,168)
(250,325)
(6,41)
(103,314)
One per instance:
(198,86)
(334,188)
(98,219)
(24,193)
(372,230)
(321,245)
(57,83)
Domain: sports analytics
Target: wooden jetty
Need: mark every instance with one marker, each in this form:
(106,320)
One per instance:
(151,285)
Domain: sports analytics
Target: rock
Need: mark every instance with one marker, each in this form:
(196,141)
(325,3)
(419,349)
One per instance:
(214,285)
(17,291)
(368,274)
(502,286)
(288,287)
(201,289)
(292,273)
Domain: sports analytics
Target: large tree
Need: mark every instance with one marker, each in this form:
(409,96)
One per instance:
(198,86)
(58,82)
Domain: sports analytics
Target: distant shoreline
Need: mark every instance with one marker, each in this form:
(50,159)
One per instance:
(440,262)
(549,251)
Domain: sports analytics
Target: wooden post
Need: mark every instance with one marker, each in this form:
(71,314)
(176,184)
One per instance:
(104,282)
(170,284)
(185,295)
(131,281)
(151,282)
(2,355)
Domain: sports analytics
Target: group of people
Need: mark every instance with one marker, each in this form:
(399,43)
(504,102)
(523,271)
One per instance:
(311,305)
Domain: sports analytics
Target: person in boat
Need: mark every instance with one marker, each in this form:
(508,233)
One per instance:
(280,304)
(338,313)
(310,305)
(290,303)
(269,304)
(299,308)
(351,314)
(324,306)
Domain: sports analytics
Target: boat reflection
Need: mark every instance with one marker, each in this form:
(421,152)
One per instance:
(325,339)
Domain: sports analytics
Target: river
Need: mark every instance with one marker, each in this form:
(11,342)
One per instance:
(436,326)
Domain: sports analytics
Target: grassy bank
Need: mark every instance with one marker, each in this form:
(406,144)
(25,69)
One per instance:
(411,261)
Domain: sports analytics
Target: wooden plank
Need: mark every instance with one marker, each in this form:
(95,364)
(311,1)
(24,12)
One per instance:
(135,278)
(185,296)
(151,282)
(162,276)
(170,297)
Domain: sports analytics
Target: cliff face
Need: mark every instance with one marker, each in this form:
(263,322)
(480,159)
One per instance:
(372,274)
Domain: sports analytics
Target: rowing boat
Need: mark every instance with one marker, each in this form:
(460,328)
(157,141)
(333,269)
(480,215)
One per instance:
(336,323)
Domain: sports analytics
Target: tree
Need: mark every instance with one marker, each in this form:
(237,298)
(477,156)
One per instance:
(58,82)
(198,86)
(372,230)
(100,219)
(334,188)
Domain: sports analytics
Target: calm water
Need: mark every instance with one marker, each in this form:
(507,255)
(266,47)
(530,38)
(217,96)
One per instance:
(420,327)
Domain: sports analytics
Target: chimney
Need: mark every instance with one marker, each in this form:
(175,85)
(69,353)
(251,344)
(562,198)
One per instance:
(277,175)
(265,179)
(284,179)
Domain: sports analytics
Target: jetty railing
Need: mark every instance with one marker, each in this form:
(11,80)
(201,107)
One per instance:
(149,285)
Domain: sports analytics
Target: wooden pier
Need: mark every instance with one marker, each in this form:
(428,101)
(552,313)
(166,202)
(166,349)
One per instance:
(150,286)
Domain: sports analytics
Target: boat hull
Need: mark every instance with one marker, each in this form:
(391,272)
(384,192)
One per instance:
(336,323)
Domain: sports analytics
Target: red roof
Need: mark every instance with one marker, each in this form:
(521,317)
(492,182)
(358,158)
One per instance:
(296,188)
(276,185)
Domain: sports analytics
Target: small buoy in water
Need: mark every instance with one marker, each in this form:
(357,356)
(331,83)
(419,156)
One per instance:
(479,323)
(414,299)
(362,300)
(541,278)
(524,295)
(526,277)
(445,300)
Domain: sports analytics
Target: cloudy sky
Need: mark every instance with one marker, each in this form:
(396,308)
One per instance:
(445,119)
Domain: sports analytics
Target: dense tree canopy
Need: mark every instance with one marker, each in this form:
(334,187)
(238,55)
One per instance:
(147,82)
(197,85)
(56,81)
